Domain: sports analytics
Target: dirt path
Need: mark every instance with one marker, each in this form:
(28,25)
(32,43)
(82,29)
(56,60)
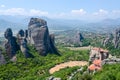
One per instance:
(79,48)
(67,64)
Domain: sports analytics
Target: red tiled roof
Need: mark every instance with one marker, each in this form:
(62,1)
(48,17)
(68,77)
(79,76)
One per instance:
(97,62)
(96,65)
(92,67)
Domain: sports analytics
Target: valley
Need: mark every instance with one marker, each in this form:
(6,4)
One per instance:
(40,53)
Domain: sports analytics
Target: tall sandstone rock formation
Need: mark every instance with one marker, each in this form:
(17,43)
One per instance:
(78,39)
(38,35)
(21,37)
(113,39)
(117,38)
(108,40)
(11,45)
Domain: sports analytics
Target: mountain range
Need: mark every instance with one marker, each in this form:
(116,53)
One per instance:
(21,22)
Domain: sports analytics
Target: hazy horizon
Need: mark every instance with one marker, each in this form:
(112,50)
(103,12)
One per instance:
(78,10)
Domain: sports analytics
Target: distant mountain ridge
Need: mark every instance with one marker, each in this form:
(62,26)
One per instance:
(18,22)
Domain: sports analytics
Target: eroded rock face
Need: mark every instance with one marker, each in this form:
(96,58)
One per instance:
(38,35)
(11,45)
(116,39)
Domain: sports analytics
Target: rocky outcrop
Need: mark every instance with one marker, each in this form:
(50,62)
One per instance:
(38,35)
(11,45)
(116,39)
(2,59)
(21,36)
(107,40)
(78,39)
(113,39)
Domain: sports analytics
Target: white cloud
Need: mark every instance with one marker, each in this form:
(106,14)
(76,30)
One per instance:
(22,11)
(101,12)
(62,14)
(13,11)
(2,6)
(116,11)
(79,12)
(73,14)
(115,14)
(34,12)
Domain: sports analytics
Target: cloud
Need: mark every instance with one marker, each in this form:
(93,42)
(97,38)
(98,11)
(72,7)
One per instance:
(34,12)
(72,14)
(116,11)
(22,11)
(2,6)
(13,11)
(79,12)
(101,12)
(115,14)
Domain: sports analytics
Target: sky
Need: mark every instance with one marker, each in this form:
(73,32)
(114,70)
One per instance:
(62,9)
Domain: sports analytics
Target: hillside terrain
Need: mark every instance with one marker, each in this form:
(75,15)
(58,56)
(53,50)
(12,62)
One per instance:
(33,53)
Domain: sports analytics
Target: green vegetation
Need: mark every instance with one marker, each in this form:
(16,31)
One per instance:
(86,42)
(109,72)
(81,76)
(65,73)
(38,67)
(113,51)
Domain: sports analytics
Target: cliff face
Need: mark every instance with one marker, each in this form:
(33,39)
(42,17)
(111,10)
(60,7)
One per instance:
(38,35)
